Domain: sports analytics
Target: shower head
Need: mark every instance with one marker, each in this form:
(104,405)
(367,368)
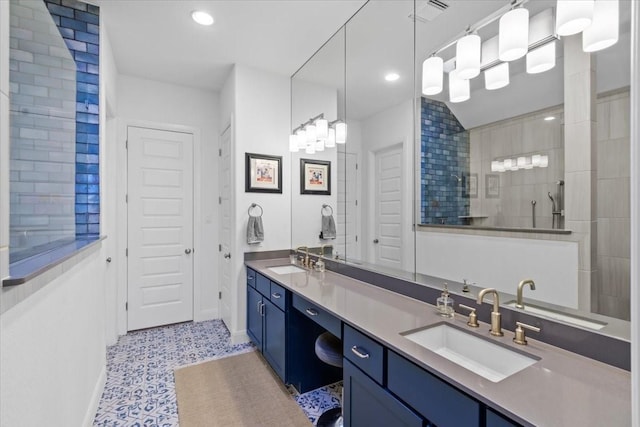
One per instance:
(457,177)
(553,203)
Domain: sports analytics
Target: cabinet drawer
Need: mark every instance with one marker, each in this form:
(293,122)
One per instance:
(277,295)
(318,315)
(363,352)
(436,400)
(251,278)
(263,284)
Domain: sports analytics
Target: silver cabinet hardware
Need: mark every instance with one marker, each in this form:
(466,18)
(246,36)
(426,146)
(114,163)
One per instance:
(311,312)
(358,352)
(276,295)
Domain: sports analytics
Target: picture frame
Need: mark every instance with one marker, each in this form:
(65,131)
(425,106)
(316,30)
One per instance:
(471,186)
(315,177)
(263,173)
(492,186)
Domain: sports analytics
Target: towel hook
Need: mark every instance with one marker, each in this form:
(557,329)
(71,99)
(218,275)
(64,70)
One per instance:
(255,205)
(325,206)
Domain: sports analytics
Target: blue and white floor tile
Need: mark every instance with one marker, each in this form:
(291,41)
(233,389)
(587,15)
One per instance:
(140,388)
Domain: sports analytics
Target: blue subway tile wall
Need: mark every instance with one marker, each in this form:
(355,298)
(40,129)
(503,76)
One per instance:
(444,165)
(79,25)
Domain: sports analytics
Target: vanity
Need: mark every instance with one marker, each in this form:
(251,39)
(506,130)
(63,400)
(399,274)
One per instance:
(392,378)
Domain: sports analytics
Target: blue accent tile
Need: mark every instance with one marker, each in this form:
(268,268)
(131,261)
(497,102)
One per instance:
(55,9)
(75,4)
(76,45)
(72,24)
(67,33)
(444,153)
(87,17)
(86,57)
(87,37)
(78,23)
(93,29)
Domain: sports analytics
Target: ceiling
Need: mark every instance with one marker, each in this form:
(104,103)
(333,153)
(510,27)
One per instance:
(158,39)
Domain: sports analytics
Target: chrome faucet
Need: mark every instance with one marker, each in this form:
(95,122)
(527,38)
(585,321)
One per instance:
(305,263)
(326,245)
(496,328)
(519,303)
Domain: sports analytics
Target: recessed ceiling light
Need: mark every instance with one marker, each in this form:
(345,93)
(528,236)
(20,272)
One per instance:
(549,118)
(392,77)
(202,17)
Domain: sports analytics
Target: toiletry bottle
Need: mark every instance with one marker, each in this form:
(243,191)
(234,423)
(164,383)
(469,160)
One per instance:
(444,303)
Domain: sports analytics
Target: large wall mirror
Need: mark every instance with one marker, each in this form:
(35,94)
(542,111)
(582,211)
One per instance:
(527,179)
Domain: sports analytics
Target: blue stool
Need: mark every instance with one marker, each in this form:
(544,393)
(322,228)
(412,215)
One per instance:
(329,349)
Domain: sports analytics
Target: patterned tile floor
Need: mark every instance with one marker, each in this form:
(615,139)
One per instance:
(140,388)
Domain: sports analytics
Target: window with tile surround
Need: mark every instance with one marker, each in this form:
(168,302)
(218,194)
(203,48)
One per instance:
(54,187)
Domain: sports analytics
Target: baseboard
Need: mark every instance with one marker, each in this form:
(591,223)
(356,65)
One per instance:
(90,415)
(203,315)
(239,337)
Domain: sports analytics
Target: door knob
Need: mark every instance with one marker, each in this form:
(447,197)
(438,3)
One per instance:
(187,251)
(227,255)
(376,241)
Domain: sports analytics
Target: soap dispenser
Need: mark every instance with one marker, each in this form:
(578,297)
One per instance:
(444,304)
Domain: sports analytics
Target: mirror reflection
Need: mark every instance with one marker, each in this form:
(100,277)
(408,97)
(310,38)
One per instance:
(524,180)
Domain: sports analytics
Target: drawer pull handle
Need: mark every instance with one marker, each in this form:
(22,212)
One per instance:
(276,295)
(362,355)
(250,278)
(311,312)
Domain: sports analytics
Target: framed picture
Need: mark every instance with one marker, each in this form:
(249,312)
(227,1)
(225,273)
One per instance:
(315,177)
(492,186)
(263,173)
(471,186)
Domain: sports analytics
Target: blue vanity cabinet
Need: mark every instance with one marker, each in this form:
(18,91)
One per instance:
(496,420)
(266,320)
(436,400)
(274,336)
(366,403)
(254,316)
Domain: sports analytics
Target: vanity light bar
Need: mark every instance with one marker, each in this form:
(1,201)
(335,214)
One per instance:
(316,134)
(520,162)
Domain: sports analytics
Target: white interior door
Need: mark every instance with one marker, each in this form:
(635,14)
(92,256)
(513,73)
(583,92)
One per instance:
(387,240)
(160,231)
(348,224)
(225,227)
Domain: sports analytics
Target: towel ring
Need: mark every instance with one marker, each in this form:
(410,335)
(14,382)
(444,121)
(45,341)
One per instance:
(325,206)
(255,205)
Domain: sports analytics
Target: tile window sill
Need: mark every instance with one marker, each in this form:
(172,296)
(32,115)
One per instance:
(30,275)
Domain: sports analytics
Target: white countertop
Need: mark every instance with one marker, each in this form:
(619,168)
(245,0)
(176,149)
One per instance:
(561,389)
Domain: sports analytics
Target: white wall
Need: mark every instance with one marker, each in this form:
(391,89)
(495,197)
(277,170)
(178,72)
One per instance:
(109,178)
(383,130)
(4,139)
(260,105)
(52,361)
(162,105)
(502,262)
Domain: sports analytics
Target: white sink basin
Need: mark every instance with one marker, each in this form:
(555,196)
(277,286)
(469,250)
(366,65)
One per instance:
(286,269)
(481,356)
(551,314)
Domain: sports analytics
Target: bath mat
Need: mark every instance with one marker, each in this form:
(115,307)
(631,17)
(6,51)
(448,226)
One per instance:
(238,390)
